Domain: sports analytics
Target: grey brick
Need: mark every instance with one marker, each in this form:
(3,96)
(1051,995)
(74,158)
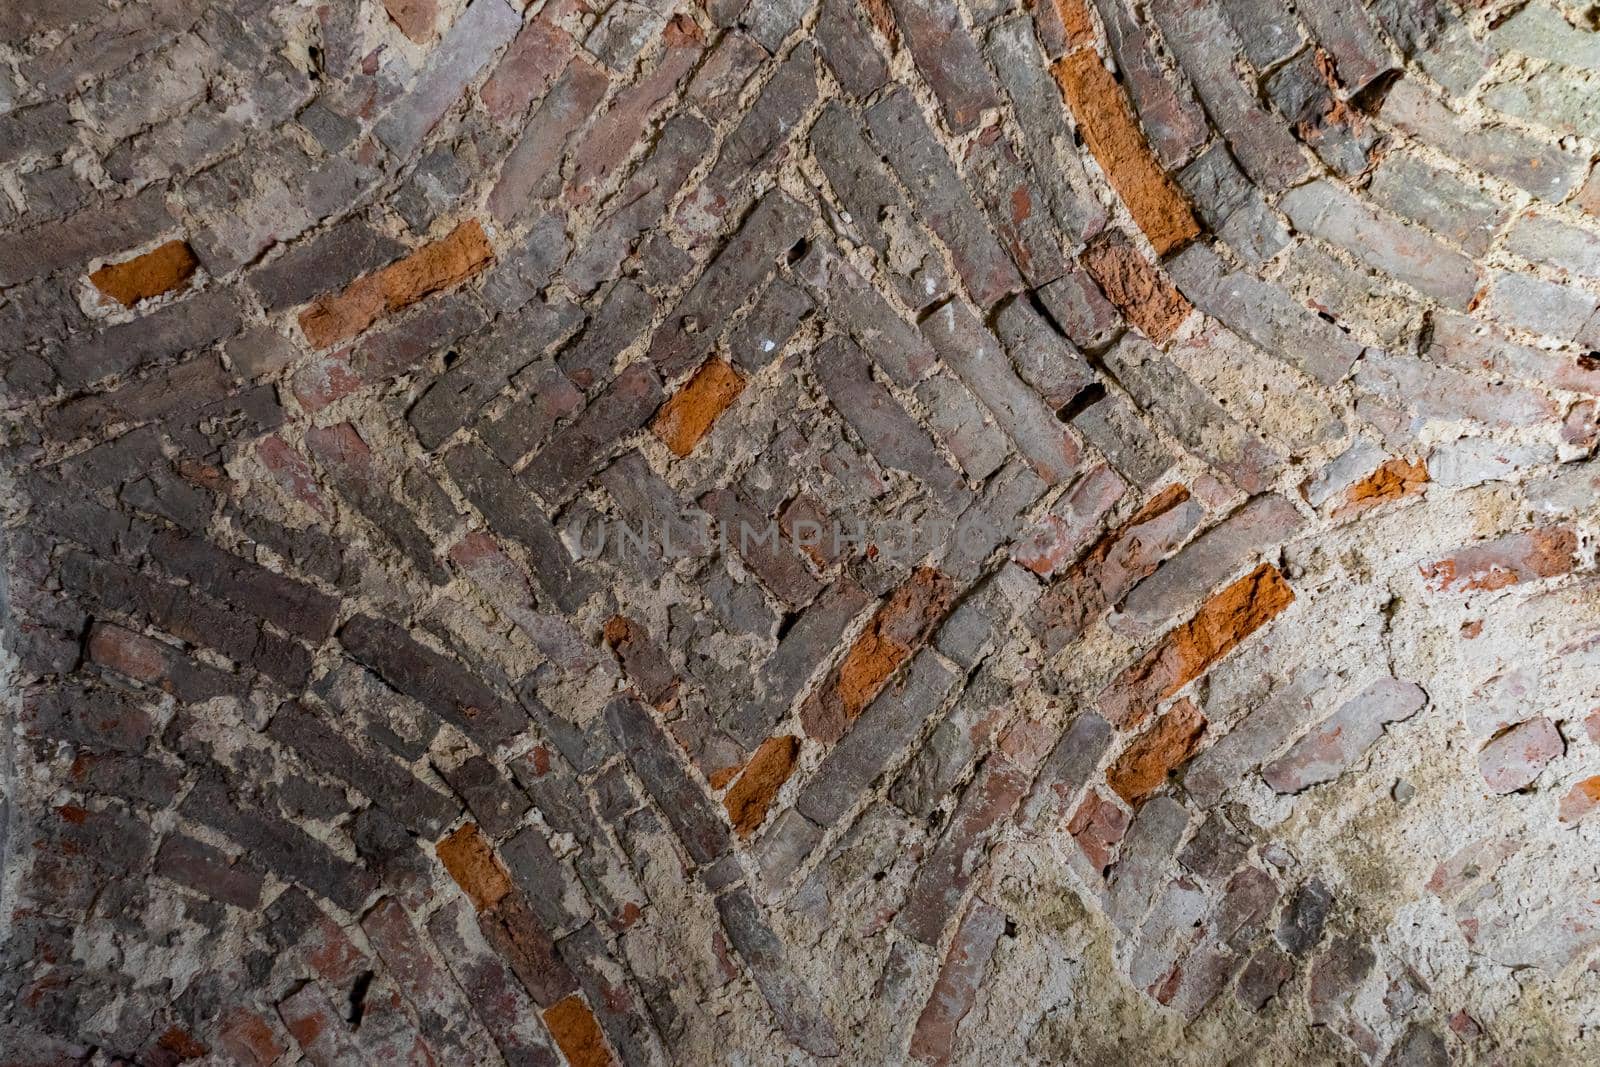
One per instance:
(511,510)
(477,34)
(650,751)
(1222,767)
(940,197)
(106,229)
(1345,31)
(745,262)
(441,685)
(1438,200)
(420,808)
(560,468)
(1388,245)
(874,202)
(1204,46)
(1162,389)
(755,537)
(1264,313)
(495,803)
(1143,860)
(1066,770)
(1113,426)
(1037,99)
(948,58)
(753,145)
(277,845)
(973,352)
(771,321)
(890,435)
(683,142)
(875,324)
(795,1006)
(958,420)
(1081,310)
(1543,169)
(1268,29)
(1044,359)
(477,375)
(845,41)
(877,739)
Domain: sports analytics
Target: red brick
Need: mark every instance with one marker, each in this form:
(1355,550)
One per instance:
(1134,285)
(577,1033)
(748,801)
(1523,557)
(933,1039)
(472,863)
(1098,827)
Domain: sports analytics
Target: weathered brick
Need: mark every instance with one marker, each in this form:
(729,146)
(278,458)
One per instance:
(1133,285)
(492,988)
(209,870)
(1223,621)
(476,35)
(642,659)
(437,682)
(649,750)
(941,883)
(948,57)
(845,43)
(1142,861)
(1204,45)
(388,784)
(444,1016)
(1329,212)
(1513,759)
(894,439)
(1524,557)
(752,147)
(1345,736)
(973,353)
(871,320)
(282,848)
(532,169)
(955,990)
(751,795)
(1108,127)
(327,261)
(940,197)
(1545,170)
(794,1005)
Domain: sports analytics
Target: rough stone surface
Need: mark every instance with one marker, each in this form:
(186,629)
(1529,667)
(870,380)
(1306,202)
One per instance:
(796,531)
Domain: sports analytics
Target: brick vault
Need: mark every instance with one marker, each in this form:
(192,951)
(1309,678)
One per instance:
(900,531)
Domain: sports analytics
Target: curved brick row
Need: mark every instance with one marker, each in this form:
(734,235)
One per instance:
(937,531)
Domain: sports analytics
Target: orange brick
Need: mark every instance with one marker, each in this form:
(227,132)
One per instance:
(1119,145)
(1395,479)
(1138,290)
(1144,766)
(161,270)
(446,262)
(747,802)
(577,1033)
(1189,651)
(688,416)
(471,862)
(898,629)
(1075,21)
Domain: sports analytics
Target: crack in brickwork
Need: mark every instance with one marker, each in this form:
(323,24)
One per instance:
(391,389)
